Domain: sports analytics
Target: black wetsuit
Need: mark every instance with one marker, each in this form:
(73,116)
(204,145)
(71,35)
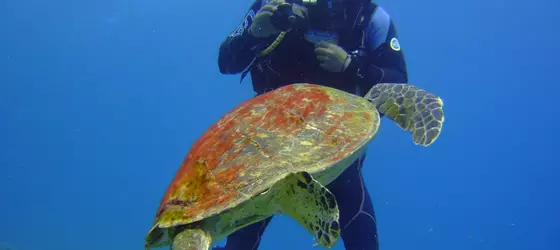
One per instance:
(377,57)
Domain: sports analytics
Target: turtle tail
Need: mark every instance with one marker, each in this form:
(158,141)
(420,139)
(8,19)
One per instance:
(414,110)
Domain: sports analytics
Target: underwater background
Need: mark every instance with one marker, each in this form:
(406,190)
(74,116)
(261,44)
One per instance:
(101,100)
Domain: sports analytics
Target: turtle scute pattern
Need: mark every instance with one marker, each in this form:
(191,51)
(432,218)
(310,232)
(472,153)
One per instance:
(299,127)
(413,109)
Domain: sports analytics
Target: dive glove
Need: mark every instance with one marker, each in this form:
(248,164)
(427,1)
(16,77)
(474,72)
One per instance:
(332,57)
(265,19)
(262,25)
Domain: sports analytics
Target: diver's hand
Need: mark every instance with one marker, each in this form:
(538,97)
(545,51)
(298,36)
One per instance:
(332,57)
(262,26)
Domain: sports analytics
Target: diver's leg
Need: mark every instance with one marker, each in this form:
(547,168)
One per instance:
(357,217)
(247,238)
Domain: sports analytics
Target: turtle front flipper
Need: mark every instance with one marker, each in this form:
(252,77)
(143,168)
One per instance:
(311,204)
(414,110)
(192,239)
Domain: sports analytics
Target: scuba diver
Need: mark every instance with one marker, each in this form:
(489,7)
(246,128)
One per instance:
(350,45)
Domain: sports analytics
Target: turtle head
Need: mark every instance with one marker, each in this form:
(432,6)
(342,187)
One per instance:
(157,238)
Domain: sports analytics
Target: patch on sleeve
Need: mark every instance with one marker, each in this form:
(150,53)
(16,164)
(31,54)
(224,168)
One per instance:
(247,21)
(395,45)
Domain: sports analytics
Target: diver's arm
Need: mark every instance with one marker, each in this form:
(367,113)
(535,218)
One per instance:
(384,60)
(240,48)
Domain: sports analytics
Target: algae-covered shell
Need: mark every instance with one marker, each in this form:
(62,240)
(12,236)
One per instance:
(299,127)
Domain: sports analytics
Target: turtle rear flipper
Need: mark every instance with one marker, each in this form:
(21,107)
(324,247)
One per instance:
(192,239)
(311,204)
(414,110)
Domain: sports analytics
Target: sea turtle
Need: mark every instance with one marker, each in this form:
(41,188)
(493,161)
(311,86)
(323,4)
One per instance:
(274,154)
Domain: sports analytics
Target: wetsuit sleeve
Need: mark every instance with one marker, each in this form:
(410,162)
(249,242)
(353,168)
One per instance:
(384,61)
(240,47)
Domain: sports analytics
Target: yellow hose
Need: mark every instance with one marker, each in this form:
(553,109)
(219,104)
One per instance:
(274,44)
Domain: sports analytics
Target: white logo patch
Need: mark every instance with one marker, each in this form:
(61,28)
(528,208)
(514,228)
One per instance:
(395,45)
(248,20)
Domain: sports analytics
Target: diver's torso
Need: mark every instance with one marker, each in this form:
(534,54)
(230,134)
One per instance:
(294,60)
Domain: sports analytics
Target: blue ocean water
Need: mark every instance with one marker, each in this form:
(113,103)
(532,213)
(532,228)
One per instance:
(101,100)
